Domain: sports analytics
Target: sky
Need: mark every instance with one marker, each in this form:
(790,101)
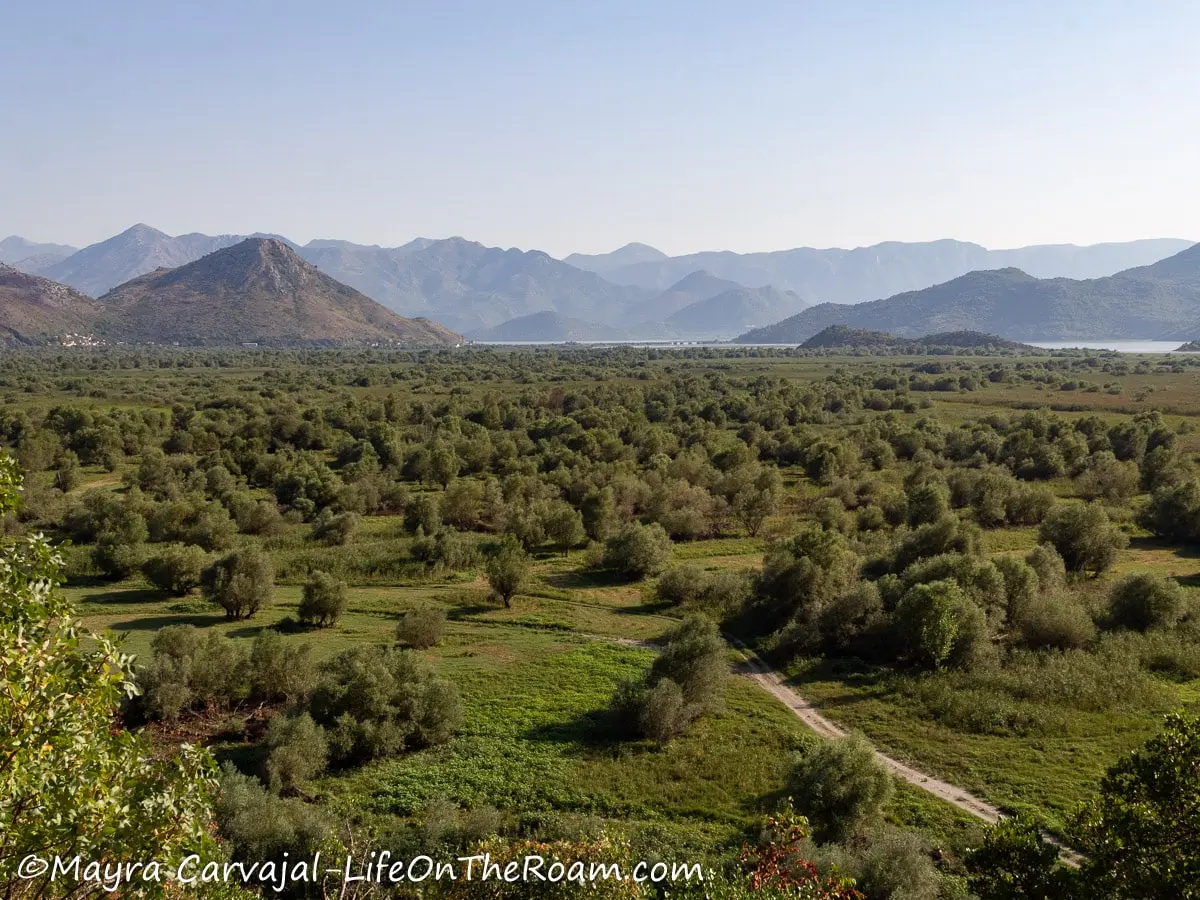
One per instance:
(583,125)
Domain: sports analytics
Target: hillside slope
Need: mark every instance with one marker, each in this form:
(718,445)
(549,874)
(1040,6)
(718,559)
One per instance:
(1160,301)
(256,291)
(35,309)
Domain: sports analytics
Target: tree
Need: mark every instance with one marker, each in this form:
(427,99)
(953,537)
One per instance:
(72,781)
(422,627)
(563,525)
(175,569)
(240,582)
(927,621)
(1016,863)
(1083,536)
(322,601)
(507,569)
(842,786)
(1141,836)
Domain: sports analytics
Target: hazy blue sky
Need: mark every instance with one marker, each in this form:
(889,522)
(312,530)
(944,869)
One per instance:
(572,125)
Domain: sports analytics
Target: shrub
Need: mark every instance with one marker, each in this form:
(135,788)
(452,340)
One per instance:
(715,593)
(240,583)
(175,569)
(262,518)
(375,701)
(449,550)
(258,825)
(1083,536)
(280,670)
(1145,603)
(507,569)
(1108,478)
(841,787)
(1055,621)
(186,670)
(422,627)
(297,752)
(335,530)
(637,551)
(323,600)
(422,513)
(694,658)
(663,713)
(1049,566)
(117,559)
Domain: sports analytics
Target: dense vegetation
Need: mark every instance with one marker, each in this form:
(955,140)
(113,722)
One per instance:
(447,598)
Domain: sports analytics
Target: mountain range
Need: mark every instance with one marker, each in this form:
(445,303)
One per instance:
(637,290)
(1155,302)
(255,291)
(869,273)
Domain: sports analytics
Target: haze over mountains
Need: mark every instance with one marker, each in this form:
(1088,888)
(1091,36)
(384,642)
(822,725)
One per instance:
(633,293)
(1155,302)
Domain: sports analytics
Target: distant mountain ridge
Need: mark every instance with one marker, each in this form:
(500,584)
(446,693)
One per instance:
(471,287)
(883,270)
(1155,302)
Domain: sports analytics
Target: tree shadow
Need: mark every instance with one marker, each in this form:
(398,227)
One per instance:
(593,732)
(131,596)
(154,623)
(1153,543)
(581,579)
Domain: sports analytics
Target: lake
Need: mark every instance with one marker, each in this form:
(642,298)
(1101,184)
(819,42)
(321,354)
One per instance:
(1103,344)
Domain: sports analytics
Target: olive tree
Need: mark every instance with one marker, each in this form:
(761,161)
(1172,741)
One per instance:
(241,582)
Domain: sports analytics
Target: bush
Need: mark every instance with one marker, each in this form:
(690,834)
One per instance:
(117,559)
(335,530)
(186,671)
(928,620)
(257,825)
(297,752)
(240,583)
(376,701)
(422,627)
(841,787)
(694,658)
(663,712)
(323,600)
(1083,536)
(1055,621)
(175,569)
(280,670)
(637,551)
(1049,566)
(715,593)
(423,513)
(1145,603)
(448,549)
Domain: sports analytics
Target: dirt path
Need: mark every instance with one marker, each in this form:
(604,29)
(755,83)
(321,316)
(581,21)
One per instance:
(771,681)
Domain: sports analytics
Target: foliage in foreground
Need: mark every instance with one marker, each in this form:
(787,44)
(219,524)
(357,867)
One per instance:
(71,780)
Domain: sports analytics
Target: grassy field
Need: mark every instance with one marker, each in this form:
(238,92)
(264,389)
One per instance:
(536,679)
